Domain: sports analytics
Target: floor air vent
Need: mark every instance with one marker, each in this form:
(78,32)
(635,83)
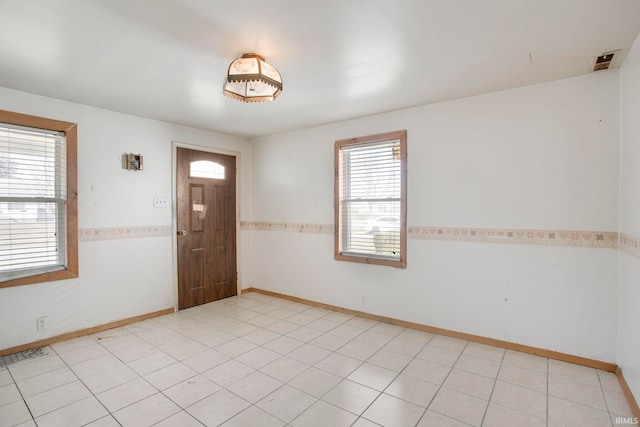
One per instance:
(23,355)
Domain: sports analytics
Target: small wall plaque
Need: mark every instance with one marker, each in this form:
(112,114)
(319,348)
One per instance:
(132,161)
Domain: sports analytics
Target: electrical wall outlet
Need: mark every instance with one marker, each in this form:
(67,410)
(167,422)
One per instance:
(363,300)
(42,323)
(160,202)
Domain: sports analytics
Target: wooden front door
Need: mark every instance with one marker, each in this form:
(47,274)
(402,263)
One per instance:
(206,212)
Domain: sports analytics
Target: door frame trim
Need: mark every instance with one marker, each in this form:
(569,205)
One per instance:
(174,211)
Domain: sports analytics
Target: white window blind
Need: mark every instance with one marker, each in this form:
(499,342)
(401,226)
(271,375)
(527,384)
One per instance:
(370,195)
(32,201)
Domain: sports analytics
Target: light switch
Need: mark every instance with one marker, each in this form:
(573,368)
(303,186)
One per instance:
(160,202)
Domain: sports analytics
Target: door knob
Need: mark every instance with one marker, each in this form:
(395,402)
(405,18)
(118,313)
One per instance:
(182,233)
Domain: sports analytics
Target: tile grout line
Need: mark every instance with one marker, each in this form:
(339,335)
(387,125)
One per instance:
(85,385)
(188,334)
(24,400)
(176,362)
(604,397)
(331,352)
(387,386)
(255,370)
(97,341)
(57,387)
(548,360)
(547,400)
(365,361)
(200,373)
(582,383)
(436,393)
(484,416)
(181,362)
(445,379)
(335,351)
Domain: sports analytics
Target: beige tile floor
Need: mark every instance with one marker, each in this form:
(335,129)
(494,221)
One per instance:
(256,360)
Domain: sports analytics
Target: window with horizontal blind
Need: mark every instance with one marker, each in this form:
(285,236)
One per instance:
(370,199)
(38,207)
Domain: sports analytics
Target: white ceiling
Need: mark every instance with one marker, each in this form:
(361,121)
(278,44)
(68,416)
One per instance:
(340,59)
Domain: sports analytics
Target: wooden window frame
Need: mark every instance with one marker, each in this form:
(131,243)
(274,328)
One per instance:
(365,140)
(71,134)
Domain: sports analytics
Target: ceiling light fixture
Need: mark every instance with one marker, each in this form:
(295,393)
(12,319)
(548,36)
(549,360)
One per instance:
(251,79)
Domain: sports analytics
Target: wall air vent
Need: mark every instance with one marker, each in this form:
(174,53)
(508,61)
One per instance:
(603,61)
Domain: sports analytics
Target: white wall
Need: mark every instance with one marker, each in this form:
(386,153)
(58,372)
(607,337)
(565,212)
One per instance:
(124,277)
(539,157)
(629,273)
